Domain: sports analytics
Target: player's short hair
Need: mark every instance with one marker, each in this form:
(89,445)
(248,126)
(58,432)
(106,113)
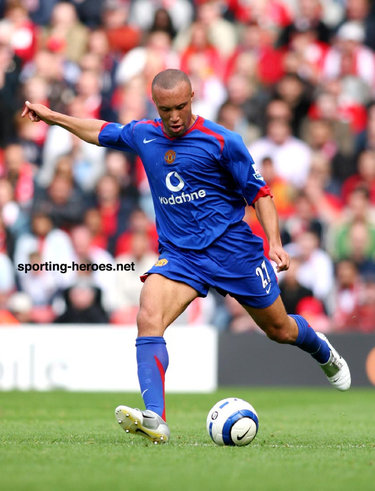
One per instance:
(168,79)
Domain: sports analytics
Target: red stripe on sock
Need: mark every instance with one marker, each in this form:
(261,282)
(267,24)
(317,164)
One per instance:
(162,375)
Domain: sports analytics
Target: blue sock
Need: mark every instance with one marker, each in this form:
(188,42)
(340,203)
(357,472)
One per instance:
(308,340)
(152,360)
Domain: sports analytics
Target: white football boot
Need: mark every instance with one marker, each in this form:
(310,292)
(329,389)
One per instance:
(145,423)
(336,368)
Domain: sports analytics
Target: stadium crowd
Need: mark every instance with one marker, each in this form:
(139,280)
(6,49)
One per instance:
(295,78)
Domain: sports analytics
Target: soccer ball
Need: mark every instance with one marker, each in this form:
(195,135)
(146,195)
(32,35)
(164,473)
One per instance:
(232,421)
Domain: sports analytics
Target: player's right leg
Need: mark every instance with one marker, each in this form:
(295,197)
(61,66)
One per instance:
(294,329)
(162,301)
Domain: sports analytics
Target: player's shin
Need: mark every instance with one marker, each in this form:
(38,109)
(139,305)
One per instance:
(152,360)
(309,341)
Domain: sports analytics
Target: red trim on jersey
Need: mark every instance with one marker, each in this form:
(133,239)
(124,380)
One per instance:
(162,375)
(263,191)
(103,126)
(166,136)
(206,130)
(149,121)
(192,127)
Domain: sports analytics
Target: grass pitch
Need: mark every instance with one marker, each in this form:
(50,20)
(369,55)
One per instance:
(309,439)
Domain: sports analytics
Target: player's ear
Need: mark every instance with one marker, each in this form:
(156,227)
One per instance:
(192,94)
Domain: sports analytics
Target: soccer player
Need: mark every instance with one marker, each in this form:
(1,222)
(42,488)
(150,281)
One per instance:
(201,178)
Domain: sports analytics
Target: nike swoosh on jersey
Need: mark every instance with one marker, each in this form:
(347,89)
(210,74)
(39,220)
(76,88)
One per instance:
(148,141)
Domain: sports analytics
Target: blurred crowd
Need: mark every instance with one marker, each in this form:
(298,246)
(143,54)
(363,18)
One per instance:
(295,78)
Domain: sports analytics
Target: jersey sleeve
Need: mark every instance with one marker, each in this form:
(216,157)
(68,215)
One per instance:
(118,136)
(238,161)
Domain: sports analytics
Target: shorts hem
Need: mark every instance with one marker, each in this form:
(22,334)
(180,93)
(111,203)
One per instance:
(173,277)
(267,302)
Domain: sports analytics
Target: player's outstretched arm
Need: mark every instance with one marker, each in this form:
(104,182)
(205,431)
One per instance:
(268,218)
(86,129)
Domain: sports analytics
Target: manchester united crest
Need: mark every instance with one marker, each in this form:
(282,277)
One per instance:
(170,156)
(161,262)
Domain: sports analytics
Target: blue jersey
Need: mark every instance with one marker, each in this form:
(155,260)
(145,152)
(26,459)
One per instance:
(200,182)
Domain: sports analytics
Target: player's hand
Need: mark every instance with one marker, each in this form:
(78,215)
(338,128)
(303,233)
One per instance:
(281,258)
(37,112)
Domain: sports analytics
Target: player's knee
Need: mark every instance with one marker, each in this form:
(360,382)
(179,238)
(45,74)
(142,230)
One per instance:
(280,334)
(149,323)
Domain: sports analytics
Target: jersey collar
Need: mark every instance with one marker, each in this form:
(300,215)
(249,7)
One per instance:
(197,121)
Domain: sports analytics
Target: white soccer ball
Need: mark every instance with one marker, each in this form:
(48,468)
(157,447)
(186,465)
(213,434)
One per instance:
(232,421)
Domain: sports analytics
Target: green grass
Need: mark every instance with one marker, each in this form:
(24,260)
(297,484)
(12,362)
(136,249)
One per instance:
(308,440)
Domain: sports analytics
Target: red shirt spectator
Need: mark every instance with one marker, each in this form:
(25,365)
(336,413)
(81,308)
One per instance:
(199,44)
(121,36)
(19,173)
(272,12)
(269,61)
(21,30)
(365,177)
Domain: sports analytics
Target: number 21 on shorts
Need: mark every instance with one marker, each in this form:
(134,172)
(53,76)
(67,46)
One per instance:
(262,272)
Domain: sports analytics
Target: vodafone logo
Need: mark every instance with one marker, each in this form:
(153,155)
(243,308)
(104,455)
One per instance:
(174,182)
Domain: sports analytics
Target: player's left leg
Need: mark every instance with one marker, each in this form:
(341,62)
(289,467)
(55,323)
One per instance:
(294,329)
(162,301)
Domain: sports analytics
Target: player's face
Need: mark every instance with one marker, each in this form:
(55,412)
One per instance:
(174,108)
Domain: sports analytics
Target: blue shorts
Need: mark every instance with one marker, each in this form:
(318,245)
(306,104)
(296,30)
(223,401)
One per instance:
(233,264)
